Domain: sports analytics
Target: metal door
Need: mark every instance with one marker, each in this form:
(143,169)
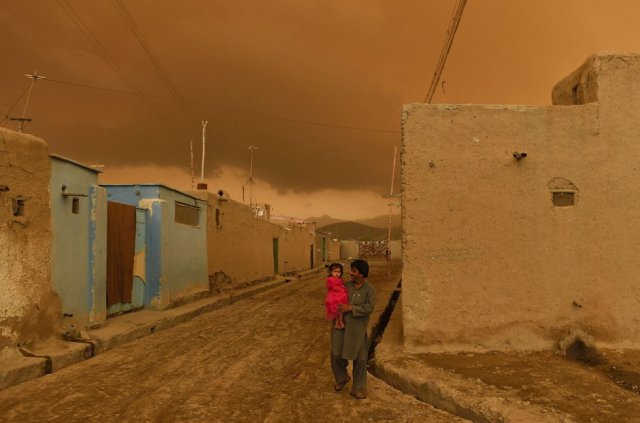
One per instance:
(372,249)
(324,249)
(275,255)
(121,241)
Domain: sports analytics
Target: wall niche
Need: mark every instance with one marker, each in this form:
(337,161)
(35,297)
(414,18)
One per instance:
(564,193)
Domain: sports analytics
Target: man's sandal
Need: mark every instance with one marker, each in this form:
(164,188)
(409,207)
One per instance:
(358,395)
(340,386)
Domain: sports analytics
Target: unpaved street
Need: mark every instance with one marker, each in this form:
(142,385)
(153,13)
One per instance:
(261,359)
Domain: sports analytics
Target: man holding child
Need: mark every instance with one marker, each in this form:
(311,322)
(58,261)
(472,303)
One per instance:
(351,343)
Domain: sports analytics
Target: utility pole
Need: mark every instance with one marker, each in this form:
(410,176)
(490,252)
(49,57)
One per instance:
(446,48)
(252,148)
(204,142)
(191,165)
(21,120)
(391,195)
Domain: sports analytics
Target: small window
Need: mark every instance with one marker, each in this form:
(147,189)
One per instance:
(564,193)
(217,218)
(75,205)
(18,206)
(564,198)
(187,214)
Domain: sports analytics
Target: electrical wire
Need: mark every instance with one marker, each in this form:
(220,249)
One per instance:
(15,103)
(229,109)
(113,90)
(164,76)
(170,85)
(300,121)
(84,29)
(446,48)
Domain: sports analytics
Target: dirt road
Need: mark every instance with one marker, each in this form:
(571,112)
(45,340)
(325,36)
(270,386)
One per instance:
(261,359)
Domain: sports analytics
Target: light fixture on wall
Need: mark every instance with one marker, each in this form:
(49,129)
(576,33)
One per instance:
(71,194)
(223,195)
(519,156)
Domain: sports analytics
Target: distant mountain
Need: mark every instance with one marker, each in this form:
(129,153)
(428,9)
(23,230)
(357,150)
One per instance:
(381,221)
(377,222)
(358,231)
(324,220)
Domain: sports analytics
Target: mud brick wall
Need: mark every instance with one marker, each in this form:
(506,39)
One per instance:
(507,252)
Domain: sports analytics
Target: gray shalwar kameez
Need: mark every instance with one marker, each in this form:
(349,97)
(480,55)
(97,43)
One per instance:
(351,343)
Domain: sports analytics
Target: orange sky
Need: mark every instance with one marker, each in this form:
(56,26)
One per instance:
(282,74)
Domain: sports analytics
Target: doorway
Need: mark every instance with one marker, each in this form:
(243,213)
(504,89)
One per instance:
(121,241)
(275,256)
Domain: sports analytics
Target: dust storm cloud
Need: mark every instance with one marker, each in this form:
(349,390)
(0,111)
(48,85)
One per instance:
(317,85)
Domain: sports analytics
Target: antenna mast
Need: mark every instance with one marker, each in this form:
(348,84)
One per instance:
(391,195)
(191,164)
(252,148)
(204,143)
(21,120)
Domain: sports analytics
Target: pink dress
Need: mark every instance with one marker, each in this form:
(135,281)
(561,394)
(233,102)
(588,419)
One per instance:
(336,294)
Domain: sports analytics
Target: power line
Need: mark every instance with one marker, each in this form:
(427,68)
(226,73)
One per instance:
(113,90)
(15,103)
(84,29)
(446,47)
(21,120)
(164,76)
(231,109)
(300,121)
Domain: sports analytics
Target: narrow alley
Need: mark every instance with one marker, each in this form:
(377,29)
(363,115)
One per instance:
(261,359)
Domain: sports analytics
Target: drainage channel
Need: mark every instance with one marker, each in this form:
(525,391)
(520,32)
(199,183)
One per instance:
(48,367)
(48,363)
(381,325)
(621,373)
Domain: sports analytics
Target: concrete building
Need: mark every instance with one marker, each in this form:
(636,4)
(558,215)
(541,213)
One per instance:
(157,247)
(520,223)
(29,311)
(79,253)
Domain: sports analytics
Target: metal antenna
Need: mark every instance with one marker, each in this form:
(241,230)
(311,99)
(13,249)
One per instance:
(21,120)
(252,148)
(191,165)
(204,142)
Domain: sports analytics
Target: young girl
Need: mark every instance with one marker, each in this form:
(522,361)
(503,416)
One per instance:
(336,294)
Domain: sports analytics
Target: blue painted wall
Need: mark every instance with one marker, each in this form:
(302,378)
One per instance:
(79,241)
(176,256)
(97,266)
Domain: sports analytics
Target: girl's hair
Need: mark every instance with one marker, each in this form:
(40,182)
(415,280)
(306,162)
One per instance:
(333,266)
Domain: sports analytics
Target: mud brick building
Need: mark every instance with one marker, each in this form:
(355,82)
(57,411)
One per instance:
(522,223)
(28,307)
